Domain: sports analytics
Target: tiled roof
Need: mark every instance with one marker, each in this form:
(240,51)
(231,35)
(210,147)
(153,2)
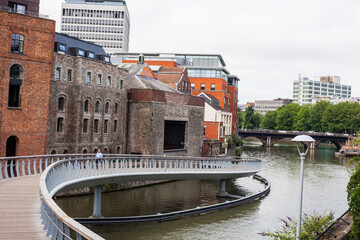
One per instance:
(209,96)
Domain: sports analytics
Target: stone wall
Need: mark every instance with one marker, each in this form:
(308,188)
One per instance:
(72,138)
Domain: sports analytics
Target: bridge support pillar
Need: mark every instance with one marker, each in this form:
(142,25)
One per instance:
(97,202)
(222,192)
(268,142)
(313,145)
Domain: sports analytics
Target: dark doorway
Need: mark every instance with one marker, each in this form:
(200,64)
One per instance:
(11,145)
(174,135)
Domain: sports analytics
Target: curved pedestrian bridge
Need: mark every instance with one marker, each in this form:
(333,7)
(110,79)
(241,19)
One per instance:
(64,172)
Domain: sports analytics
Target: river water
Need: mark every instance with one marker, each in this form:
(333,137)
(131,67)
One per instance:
(325,180)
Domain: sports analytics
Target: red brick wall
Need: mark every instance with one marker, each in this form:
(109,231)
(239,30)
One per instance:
(30,122)
(212,130)
(32,5)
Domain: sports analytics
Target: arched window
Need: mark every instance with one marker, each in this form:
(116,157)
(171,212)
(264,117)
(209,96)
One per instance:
(66,151)
(60,124)
(86,106)
(116,108)
(97,106)
(107,108)
(85,151)
(15,82)
(118,150)
(17,43)
(53,152)
(61,104)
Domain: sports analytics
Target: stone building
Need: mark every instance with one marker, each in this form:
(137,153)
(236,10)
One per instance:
(88,100)
(161,119)
(26,63)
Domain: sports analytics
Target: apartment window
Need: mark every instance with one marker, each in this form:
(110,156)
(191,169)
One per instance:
(115,125)
(96,126)
(106,122)
(202,86)
(60,124)
(18,8)
(193,86)
(213,86)
(58,73)
(86,106)
(99,79)
(85,125)
(61,104)
(17,43)
(97,106)
(15,82)
(107,108)
(69,75)
(88,77)
(108,83)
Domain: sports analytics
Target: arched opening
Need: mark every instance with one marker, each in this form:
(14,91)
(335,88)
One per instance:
(85,151)
(66,151)
(97,107)
(11,148)
(53,152)
(61,104)
(118,150)
(15,83)
(105,150)
(95,151)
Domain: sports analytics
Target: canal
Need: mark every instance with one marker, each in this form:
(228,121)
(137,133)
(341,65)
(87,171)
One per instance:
(325,180)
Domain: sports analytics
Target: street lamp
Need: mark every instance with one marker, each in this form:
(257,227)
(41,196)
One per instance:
(301,140)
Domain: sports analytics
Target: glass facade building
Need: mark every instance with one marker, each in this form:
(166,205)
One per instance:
(103,22)
(305,89)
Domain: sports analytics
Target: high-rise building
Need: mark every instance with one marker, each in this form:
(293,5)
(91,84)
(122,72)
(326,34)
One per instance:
(103,22)
(305,89)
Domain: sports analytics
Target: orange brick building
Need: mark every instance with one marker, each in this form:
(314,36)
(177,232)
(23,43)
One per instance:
(26,60)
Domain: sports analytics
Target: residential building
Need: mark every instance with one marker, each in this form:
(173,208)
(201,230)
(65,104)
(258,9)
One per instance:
(233,90)
(104,22)
(305,89)
(264,106)
(26,63)
(175,77)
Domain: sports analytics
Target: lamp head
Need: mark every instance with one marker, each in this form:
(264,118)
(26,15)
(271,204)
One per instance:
(304,140)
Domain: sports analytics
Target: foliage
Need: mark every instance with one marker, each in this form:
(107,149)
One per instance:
(311,227)
(238,152)
(302,120)
(269,120)
(286,117)
(353,191)
(249,118)
(241,119)
(234,141)
(316,114)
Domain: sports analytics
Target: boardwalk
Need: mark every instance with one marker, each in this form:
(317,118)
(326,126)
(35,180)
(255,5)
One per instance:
(20,209)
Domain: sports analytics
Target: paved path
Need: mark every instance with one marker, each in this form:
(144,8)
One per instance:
(20,209)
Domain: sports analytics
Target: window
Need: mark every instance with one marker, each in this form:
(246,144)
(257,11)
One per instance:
(91,55)
(121,84)
(107,108)
(14,86)
(18,8)
(96,126)
(58,73)
(86,106)
(61,104)
(213,86)
(60,124)
(116,108)
(202,86)
(193,86)
(85,125)
(17,43)
(69,75)
(115,125)
(108,83)
(88,77)
(99,79)
(81,52)
(97,106)
(62,48)
(106,126)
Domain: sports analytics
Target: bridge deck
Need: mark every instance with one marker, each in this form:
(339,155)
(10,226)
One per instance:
(20,209)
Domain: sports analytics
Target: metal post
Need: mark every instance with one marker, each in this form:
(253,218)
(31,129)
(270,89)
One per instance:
(222,192)
(97,202)
(298,229)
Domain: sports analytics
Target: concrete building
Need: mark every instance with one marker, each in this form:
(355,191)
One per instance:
(335,100)
(104,22)
(264,106)
(26,63)
(88,100)
(305,89)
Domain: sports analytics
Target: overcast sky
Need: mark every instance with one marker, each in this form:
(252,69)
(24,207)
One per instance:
(267,44)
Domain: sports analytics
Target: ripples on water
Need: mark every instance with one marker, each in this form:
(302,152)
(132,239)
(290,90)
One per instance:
(325,179)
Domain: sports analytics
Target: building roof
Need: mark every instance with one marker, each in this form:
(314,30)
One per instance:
(170,74)
(209,96)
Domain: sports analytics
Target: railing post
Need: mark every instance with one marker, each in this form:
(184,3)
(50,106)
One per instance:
(97,202)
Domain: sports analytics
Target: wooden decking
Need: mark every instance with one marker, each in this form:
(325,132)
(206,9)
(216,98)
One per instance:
(20,209)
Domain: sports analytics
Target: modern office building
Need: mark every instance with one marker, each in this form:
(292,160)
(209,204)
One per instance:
(207,74)
(264,106)
(103,22)
(305,89)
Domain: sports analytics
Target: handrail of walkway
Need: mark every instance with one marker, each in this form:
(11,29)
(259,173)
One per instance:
(67,172)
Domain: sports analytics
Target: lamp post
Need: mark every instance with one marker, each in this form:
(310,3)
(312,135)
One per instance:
(303,140)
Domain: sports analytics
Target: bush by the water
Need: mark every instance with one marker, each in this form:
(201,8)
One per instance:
(353,191)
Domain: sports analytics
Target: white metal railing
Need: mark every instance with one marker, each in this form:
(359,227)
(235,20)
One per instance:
(61,226)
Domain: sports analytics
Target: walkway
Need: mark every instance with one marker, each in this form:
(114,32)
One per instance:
(20,216)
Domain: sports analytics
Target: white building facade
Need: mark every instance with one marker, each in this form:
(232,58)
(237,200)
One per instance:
(264,106)
(103,22)
(305,89)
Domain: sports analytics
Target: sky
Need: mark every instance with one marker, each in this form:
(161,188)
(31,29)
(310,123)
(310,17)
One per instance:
(267,44)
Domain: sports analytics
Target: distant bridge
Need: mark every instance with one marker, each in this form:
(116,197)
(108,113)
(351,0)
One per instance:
(270,137)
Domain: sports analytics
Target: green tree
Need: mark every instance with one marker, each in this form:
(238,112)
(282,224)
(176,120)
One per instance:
(269,120)
(241,119)
(302,120)
(286,117)
(257,119)
(249,118)
(353,197)
(316,114)
(337,118)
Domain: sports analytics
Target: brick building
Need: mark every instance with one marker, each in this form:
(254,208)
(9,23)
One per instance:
(30,7)
(26,61)
(88,100)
